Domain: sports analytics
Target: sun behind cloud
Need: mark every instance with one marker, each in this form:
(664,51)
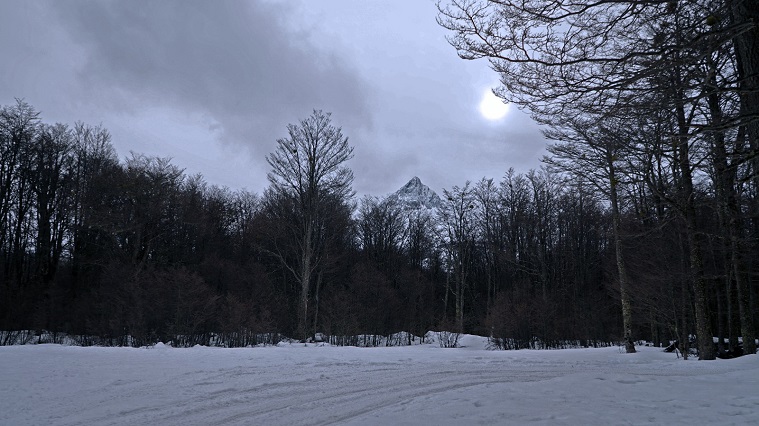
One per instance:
(492,107)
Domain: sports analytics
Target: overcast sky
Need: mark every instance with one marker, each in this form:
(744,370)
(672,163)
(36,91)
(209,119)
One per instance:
(214,84)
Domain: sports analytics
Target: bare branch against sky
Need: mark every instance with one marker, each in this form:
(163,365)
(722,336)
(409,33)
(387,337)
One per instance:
(214,84)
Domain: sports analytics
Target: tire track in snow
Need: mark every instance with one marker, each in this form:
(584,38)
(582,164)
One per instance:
(353,392)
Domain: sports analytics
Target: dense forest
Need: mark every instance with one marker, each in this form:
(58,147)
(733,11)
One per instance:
(642,225)
(137,251)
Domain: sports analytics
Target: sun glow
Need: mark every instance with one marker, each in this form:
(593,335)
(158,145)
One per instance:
(493,108)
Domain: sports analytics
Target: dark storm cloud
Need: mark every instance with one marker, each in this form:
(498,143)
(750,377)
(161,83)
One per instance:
(213,84)
(237,63)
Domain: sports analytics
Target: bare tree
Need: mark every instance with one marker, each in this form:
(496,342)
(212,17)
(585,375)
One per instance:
(593,152)
(380,228)
(458,217)
(52,185)
(19,126)
(308,170)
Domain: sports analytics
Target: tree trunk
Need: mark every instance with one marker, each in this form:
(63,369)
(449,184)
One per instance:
(305,284)
(688,209)
(460,303)
(746,46)
(621,266)
(316,302)
(703,326)
(730,208)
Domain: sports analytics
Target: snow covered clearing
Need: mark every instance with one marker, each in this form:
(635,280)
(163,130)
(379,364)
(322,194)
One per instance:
(297,384)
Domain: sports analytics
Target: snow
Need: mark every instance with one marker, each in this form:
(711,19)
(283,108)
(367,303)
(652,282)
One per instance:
(297,384)
(415,195)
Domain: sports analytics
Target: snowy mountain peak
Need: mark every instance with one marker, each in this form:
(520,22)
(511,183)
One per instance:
(414,183)
(415,195)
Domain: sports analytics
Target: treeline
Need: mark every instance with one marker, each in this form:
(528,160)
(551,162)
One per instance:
(91,245)
(136,251)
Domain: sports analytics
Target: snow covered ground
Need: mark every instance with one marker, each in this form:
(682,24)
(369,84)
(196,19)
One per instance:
(425,384)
